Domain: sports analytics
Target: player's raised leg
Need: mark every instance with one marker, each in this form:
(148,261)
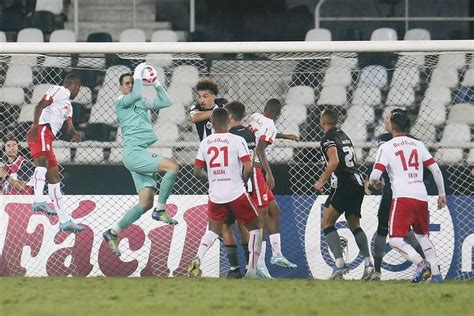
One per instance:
(171,167)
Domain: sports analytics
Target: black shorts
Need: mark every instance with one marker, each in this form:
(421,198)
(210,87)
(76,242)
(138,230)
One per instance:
(346,199)
(384,209)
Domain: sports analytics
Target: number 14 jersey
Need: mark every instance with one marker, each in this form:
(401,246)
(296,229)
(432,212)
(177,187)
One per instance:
(402,157)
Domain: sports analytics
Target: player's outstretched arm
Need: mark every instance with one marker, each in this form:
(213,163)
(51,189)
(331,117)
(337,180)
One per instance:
(331,166)
(293,137)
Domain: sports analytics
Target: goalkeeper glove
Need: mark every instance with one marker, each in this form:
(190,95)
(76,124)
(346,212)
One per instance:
(138,73)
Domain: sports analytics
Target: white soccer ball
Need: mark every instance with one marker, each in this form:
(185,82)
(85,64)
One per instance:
(149,75)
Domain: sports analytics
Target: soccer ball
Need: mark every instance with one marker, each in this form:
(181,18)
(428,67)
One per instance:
(149,75)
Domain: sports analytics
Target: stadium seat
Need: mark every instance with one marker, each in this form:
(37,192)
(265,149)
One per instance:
(296,113)
(300,95)
(175,114)
(384,34)
(27,113)
(424,132)
(84,96)
(132,35)
(365,95)
(456,134)
(462,113)
(168,132)
(161,60)
(98,37)
(444,77)
(452,60)
(112,75)
(333,95)
(406,77)
(53,6)
(470,158)
(437,94)
(3,37)
(357,131)
(371,155)
(164,36)
(180,94)
(39,91)
(468,80)
(373,75)
(62,36)
(337,77)
(360,114)
(318,35)
(30,35)
(432,113)
(449,155)
(186,75)
(19,76)
(12,95)
(43,20)
(401,96)
(342,62)
(417,35)
(103,110)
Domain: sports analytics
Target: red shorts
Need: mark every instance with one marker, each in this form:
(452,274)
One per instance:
(261,193)
(43,145)
(242,208)
(406,213)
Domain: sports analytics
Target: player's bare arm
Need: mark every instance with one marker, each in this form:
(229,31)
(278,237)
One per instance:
(71,132)
(200,116)
(331,166)
(33,132)
(292,137)
(199,173)
(260,151)
(247,171)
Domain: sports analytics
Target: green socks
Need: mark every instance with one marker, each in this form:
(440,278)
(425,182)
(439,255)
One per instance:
(131,216)
(166,186)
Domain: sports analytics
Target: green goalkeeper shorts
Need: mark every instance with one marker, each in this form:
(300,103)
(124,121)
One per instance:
(143,166)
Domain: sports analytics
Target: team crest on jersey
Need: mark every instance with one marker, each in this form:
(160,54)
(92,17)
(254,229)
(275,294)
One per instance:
(265,197)
(209,125)
(154,155)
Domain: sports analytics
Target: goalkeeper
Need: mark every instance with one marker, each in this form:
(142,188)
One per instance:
(138,135)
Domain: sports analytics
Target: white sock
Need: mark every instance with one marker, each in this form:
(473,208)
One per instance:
(160,206)
(206,243)
(39,179)
(116,230)
(339,262)
(54,191)
(276,244)
(429,251)
(261,258)
(405,249)
(255,245)
(367,261)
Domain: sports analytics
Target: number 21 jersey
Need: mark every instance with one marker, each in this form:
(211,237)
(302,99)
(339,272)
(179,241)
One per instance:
(402,157)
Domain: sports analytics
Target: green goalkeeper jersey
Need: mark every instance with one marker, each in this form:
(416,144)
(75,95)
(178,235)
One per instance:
(132,114)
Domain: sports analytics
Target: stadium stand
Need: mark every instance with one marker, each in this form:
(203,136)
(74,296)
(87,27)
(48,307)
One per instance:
(333,95)
(444,77)
(318,35)
(384,34)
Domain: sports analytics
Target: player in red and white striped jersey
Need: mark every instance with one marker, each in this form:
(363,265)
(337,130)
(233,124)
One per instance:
(50,114)
(403,158)
(263,126)
(223,155)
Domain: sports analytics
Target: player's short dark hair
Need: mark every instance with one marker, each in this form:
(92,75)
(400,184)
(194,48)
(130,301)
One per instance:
(207,84)
(236,109)
(330,116)
(273,106)
(220,117)
(400,121)
(123,76)
(71,79)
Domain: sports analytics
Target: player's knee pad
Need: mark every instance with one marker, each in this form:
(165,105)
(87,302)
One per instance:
(382,231)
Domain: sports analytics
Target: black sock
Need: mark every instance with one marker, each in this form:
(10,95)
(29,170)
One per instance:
(232,256)
(246,252)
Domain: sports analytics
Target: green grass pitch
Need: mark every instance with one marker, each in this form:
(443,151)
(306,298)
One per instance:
(180,296)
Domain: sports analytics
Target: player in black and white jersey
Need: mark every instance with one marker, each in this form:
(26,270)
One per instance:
(384,211)
(347,193)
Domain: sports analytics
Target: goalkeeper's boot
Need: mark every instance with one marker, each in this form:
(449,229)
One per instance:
(423,272)
(163,216)
(44,208)
(435,279)
(282,262)
(368,272)
(337,273)
(376,276)
(194,268)
(234,274)
(113,242)
(71,227)
(262,273)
